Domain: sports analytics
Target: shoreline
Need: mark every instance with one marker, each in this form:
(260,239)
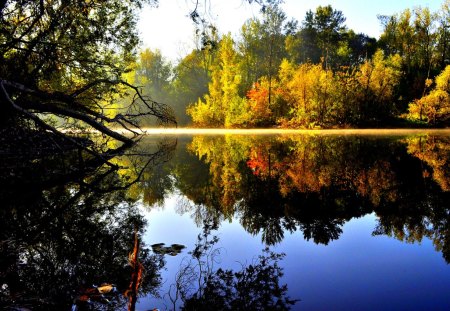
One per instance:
(256,131)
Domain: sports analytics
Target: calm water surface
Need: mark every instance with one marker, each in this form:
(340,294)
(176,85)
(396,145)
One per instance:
(363,220)
(322,221)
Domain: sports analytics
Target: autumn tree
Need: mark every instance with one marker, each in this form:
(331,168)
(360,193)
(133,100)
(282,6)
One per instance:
(379,79)
(222,106)
(262,45)
(258,98)
(434,108)
(308,90)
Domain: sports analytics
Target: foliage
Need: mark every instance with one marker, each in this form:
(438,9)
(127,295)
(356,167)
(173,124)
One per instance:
(363,82)
(327,25)
(308,91)
(190,82)
(434,108)
(258,98)
(379,79)
(67,59)
(417,37)
(153,74)
(261,47)
(222,106)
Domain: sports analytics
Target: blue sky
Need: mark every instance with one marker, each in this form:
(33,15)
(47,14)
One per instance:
(169,29)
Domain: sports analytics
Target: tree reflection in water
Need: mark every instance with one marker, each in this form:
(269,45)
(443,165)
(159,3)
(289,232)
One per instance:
(315,184)
(199,285)
(68,219)
(67,226)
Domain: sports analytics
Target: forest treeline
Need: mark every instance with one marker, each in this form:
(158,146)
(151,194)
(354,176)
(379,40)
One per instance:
(315,73)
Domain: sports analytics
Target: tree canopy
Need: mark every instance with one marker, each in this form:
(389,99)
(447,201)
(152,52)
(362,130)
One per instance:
(67,59)
(357,81)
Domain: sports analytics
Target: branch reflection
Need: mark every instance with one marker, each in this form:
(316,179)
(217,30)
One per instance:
(68,226)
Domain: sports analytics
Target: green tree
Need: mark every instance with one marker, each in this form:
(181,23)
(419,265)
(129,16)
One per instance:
(443,35)
(426,36)
(354,49)
(66,59)
(190,82)
(262,46)
(414,35)
(326,25)
(251,52)
(154,73)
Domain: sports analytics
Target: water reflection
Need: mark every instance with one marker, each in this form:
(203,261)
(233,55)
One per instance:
(68,227)
(69,220)
(199,285)
(315,184)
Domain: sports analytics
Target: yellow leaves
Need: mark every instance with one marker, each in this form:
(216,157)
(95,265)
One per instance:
(344,50)
(223,154)
(201,112)
(130,75)
(381,75)
(443,80)
(307,88)
(238,113)
(286,71)
(434,107)
(222,106)
(378,183)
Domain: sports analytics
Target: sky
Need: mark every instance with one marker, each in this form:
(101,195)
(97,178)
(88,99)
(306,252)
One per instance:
(169,29)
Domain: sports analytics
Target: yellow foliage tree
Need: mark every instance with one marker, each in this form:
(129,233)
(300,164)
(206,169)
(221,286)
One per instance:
(434,108)
(308,90)
(378,79)
(222,106)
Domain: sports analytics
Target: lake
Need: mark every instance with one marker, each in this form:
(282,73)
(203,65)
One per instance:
(337,220)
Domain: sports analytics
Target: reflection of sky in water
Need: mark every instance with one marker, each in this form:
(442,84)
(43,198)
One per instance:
(355,272)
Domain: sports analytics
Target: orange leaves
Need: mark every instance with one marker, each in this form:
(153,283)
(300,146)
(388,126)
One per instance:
(258,97)
(258,162)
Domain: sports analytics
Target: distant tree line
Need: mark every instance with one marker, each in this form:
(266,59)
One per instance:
(317,73)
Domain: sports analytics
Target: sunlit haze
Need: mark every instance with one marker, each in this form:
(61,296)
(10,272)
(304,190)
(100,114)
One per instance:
(169,29)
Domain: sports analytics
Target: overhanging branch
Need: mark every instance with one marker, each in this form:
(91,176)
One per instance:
(29,102)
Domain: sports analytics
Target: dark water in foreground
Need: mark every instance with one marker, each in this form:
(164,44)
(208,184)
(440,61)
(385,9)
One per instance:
(354,222)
